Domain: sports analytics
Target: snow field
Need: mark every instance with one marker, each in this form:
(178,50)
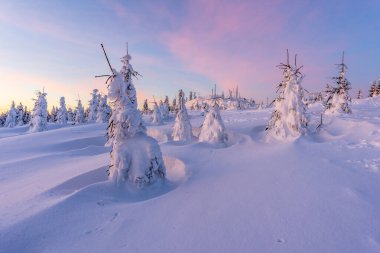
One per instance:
(318,193)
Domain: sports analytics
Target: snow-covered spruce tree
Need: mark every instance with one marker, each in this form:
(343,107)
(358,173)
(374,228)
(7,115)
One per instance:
(156,116)
(289,120)
(20,114)
(145,107)
(182,130)
(10,121)
(70,115)
(373,90)
(93,106)
(3,116)
(339,100)
(360,94)
(378,88)
(79,113)
(104,111)
(213,129)
(62,112)
(164,110)
(174,105)
(38,122)
(135,157)
(26,116)
(52,116)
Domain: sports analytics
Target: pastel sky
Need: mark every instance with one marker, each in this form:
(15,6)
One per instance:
(182,44)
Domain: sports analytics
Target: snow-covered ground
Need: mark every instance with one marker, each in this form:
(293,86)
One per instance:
(320,193)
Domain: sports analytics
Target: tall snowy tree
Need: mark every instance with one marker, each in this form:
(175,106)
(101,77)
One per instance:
(145,107)
(135,157)
(339,101)
(164,110)
(378,88)
(20,114)
(52,117)
(104,110)
(79,113)
(289,120)
(62,112)
(93,106)
(38,122)
(11,120)
(156,116)
(213,129)
(26,116)
(373,90)
(182,130)
(174,105)
(360,94)
(70,115)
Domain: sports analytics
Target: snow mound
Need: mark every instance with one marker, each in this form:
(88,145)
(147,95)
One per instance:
(176,172)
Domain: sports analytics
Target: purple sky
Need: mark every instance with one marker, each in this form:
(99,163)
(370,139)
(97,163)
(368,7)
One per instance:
(183,44)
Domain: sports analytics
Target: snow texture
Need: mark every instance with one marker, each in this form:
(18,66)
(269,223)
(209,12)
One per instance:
(317,194)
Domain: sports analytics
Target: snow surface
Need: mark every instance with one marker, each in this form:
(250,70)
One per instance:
(319,193)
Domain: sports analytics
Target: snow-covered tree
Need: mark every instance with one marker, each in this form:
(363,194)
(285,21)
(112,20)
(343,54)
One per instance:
(182,130)
(79,113)
(373,90)
(156,116)
(26,116)
(20,114)
(3,117)
(11,120)
(360,94)
(52,117)
(339,100)
(145,107)
(174,105)
(213,129)
(93,106)
(38,122)
(135,157)
(328,93)
(164,110)
(62,112)
(70,115)
(289,118)
(104,110)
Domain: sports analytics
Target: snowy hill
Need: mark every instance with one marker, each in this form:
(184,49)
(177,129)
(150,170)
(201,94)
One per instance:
(319,193)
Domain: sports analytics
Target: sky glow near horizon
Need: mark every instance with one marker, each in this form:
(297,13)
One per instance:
(182,44)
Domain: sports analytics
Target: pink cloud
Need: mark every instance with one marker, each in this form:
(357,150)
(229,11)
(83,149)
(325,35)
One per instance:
(215,41)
